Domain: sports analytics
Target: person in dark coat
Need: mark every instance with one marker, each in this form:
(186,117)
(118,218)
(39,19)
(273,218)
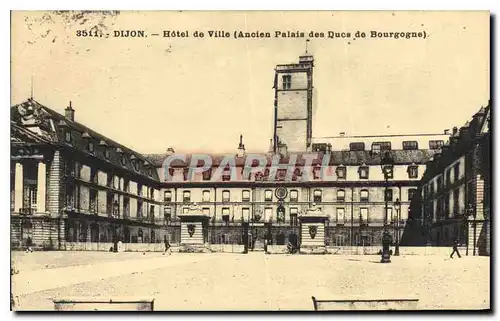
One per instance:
(455,249)
(167,246)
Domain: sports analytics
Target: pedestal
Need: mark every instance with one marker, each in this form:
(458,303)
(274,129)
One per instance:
(193,236)
(312,234)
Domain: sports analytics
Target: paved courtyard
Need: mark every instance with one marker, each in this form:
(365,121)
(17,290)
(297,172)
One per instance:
(255,281)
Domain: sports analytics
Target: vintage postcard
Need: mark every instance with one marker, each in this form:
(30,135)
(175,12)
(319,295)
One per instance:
(250,160)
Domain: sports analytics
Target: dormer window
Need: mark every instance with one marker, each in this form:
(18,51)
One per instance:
(105,148)
(413,171)
(135,162)
(123,160)
(317,171)
(341,172)
(67,136)
(363,172)
(90,147)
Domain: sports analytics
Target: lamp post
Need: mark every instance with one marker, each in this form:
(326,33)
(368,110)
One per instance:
(387,165)
(397,207)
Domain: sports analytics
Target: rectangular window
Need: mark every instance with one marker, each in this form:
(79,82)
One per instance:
(317,196)
(456,171)
(435,144)
(455,201)
(185,210)
(340,195)
(287,81)
(294,196)
(226,196)
(245,196)
(439,183)
(205,196)
(167,196)
(139,189)
(245,214)
(410,145)
(268,195)
(126,207)
(363,196)
(186,196)
(411,193)
(390,217)
(388,195)
(93,201)
(341,215)
(225,214)
(126,185)
(363,213)
(206,211)
(268,214)
(448,176)
(293,216)
(167,213)
(139,208)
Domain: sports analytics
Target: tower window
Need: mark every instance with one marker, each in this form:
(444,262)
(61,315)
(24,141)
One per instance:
(287,81)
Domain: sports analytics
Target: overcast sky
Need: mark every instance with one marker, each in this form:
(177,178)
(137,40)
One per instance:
(200,94)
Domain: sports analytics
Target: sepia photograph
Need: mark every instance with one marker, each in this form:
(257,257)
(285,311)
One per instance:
(250,161)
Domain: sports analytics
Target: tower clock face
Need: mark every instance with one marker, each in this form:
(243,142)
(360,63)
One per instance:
(281,193)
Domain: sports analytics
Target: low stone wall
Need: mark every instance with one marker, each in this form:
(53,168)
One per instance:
(227,248)
(313,250)
(403,250)
(365,305)
(123,247)
(277,249)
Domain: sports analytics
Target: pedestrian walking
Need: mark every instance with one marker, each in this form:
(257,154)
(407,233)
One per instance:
(167,246)
(455,249)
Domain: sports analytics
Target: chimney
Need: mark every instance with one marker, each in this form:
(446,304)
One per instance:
(455,130)
(69,112)
(446,131)
(342,134)
(241,148)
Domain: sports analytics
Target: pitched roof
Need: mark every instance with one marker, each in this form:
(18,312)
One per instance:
(336,158)
(81,136)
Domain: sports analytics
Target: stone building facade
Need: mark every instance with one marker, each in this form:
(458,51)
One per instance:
(71,184)
(455,192)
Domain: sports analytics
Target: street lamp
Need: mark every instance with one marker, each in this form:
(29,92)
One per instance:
(387,165)
(397,207)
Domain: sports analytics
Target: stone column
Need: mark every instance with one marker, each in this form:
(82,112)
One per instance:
(18,187)
(41,188)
